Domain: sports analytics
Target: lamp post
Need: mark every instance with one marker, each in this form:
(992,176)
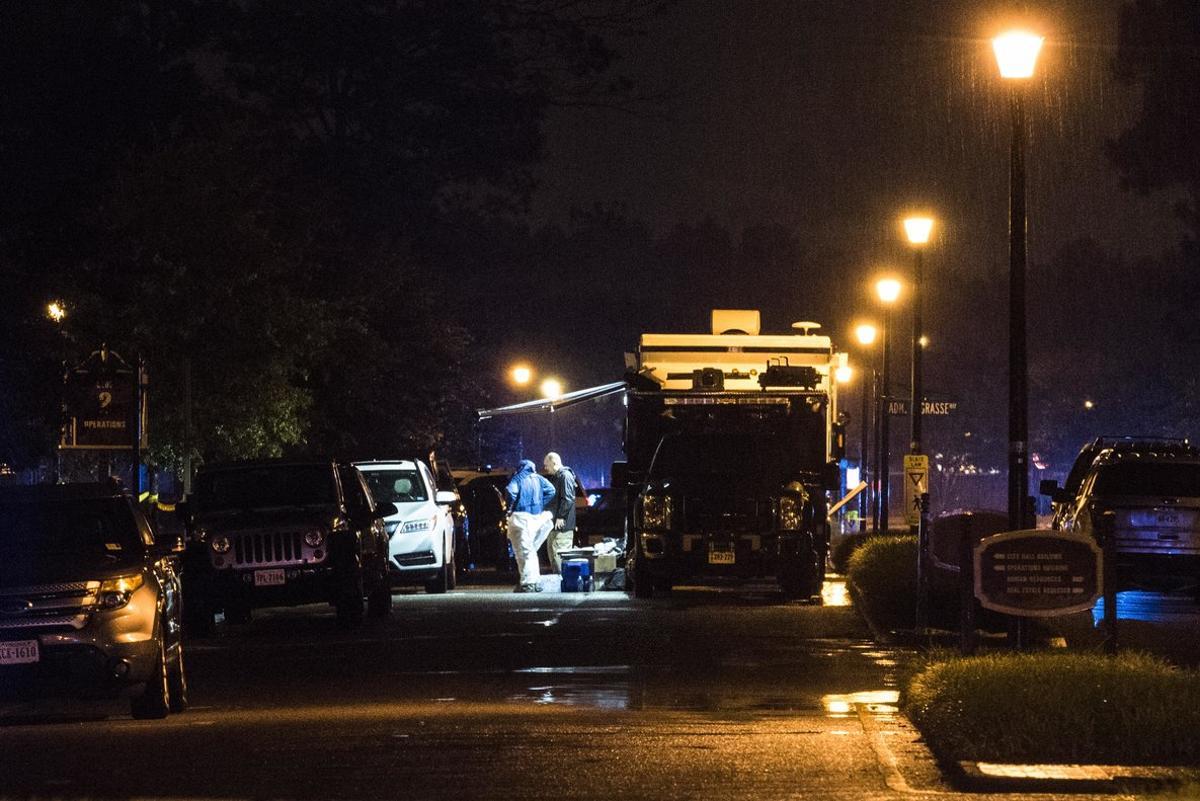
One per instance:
(865,333)
(917,229)
(1016,55)
(888,291)
(56,312)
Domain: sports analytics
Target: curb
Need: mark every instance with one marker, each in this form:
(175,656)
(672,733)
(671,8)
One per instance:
(995,777)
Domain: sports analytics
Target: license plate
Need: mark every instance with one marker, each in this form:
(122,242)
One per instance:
(720,556)
(269,578)
(1163,519)
(20,652)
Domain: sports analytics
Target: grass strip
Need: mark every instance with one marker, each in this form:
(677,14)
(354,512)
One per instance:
(1133,709)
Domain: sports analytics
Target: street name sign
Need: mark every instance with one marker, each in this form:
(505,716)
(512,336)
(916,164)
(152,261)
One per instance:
(899,407)
(1038,573)
(916,484)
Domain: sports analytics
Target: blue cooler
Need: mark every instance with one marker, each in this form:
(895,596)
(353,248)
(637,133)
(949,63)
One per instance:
(576,575)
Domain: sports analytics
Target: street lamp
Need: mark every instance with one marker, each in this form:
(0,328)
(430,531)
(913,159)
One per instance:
(843,374)
(1016,56)
(866,333)
(552,389)
(918,230)
(56,311)
(521,375)
(888,291)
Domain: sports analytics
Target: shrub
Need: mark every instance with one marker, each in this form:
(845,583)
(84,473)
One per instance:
(1060,707)
(882,576)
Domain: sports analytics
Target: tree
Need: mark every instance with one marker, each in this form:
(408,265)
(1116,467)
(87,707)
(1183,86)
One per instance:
(1159,52)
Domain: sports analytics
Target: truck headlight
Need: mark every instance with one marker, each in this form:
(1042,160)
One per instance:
(656,511)
(220,544)
(116,592)
(314,538)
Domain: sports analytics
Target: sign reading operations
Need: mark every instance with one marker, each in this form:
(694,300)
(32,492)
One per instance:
(1038,573)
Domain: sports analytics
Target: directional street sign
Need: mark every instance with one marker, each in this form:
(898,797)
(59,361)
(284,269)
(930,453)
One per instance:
(916,484)
(899,407)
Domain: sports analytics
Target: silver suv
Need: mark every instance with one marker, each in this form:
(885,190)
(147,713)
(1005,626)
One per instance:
(89,601)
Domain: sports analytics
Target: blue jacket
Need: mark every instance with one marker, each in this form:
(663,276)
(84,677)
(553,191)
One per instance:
(528,491)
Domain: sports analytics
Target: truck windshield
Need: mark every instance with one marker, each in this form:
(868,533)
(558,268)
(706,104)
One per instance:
(1149,478)
(755,455)
(265,487)
(81,530)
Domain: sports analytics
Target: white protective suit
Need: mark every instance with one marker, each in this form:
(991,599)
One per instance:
(527,532)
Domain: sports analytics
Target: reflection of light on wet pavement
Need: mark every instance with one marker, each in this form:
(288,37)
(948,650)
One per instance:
(878,702)
(1150,607)
(833,593)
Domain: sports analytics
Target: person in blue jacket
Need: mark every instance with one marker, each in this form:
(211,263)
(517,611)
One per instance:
(529,522)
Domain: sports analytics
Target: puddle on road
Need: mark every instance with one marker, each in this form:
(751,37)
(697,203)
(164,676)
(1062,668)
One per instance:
(876,702)
(834,593)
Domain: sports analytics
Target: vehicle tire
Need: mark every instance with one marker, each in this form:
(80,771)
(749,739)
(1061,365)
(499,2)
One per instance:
(350,606)
(153,701)
(238,613)
(177,683)
(441,582)
(379,601)
(643,586)
(452,569)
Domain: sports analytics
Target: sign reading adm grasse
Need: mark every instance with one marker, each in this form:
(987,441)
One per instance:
(1038,573)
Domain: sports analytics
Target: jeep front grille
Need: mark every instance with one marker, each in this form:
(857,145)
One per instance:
(268,548)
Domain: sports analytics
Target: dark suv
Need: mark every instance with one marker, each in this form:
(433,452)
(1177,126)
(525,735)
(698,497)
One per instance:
(89,601)
(1149,502)
(1062,498)
(284,532)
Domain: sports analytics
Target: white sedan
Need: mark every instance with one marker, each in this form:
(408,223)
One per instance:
(421,533)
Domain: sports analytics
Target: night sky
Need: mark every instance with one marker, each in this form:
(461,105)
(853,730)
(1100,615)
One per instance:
(833,118)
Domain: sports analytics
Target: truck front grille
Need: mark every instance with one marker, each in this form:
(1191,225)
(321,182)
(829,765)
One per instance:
(268,548)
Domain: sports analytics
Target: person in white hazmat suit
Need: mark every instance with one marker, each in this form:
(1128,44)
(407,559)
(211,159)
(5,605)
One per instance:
(529,522)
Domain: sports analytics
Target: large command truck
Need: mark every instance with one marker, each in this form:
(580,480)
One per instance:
(732,444)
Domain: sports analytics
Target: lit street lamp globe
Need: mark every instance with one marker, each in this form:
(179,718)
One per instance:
(1017,53)
(521,375)
(918,229)
(56,311)
(866,334)
(843,374)
(888,290)
(552,389)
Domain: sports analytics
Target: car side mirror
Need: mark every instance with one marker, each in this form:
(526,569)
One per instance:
(386,510)
(1049,488)
(445,498)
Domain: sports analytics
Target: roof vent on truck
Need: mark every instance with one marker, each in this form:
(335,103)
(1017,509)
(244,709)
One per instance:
(746,322)
(805,327)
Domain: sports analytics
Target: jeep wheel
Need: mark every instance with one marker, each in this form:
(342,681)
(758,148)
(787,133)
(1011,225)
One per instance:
(198,619)
(350,604)
(153,702)
(177,682)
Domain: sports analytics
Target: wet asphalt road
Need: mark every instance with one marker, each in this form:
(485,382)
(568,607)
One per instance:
(487,694)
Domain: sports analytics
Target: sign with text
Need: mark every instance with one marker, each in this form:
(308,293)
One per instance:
(899,407)
(101,405)
(1038,573)
(916,484)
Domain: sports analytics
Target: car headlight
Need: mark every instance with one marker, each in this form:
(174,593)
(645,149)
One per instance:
(419,525)
(116,592)
(656,511)
(314,538)
(791,513)
(220,544)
